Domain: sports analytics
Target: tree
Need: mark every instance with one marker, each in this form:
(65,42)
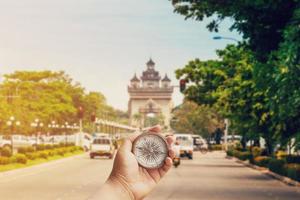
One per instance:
(261,22)
(271,34)
(196,119)
(227,86)
(49,96)
(137,117)
(157,119)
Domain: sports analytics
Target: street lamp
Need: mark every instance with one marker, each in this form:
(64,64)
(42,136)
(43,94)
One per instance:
(218,37)
(37,124)
(11,123)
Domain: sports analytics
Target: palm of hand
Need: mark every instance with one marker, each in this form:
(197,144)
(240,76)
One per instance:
(139,180)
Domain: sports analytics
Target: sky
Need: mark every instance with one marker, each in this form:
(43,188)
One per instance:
(101,44)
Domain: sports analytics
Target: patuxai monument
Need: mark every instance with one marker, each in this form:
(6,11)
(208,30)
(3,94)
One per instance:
(150,96)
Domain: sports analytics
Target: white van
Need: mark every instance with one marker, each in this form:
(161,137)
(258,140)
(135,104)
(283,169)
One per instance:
(102,146)
(186,144)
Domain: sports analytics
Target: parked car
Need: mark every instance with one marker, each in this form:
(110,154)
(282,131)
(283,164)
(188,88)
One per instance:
(102,146)
(5,141)
(21,141)
(186,144)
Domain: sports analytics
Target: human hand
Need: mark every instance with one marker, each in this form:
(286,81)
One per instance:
(130,178)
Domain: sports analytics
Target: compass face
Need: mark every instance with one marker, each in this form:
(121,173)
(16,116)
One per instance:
(150,150)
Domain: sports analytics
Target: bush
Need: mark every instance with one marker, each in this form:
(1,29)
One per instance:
(293,171)
(22,150)
(229,152)
(292,159)
(277,166)
(20,158)
(40,147)
(62,144)
(242,155)
(262,161)
(6,152)
(4,161)
(30,149)
(256,151)
(50,153)
(43,155)
(61,152)
(281,154)
(32,156)
(48,147)
(216,147)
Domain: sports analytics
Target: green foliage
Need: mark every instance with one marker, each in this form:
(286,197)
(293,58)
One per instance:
(49,96)
(216,147)
(227,85)
(158,119)
(24,150)
(197,119)
(32,156)
(242,155)
(293,171)
(260,22)
(277,166)
(293,159)
(43,154)
(19,158)
(262,161)
(256,151)
(6,152)
(4,160)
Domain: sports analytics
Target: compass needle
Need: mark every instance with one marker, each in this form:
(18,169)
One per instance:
(150,150)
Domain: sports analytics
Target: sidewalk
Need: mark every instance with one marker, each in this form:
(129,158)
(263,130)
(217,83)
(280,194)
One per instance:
(213,177)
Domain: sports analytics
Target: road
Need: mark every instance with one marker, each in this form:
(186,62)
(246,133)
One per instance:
(209,177)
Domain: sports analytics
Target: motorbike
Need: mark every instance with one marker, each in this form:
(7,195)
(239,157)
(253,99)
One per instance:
(176,162)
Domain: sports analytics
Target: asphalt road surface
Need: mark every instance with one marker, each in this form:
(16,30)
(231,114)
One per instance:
(208,177)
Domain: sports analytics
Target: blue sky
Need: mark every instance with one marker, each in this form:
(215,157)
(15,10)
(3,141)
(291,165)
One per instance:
(101,43)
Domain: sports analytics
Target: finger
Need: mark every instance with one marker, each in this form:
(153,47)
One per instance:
(133,137)
(170,140)
(172,153)
(155,129)
(167,166)
(127,144)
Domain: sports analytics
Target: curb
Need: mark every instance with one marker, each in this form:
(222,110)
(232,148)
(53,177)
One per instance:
(263,170)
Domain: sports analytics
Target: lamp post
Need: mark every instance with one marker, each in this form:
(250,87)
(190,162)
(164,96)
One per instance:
(37,124)
(227,121)
(12,123)
(218,37)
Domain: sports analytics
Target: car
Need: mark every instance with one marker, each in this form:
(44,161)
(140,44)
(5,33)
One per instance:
(5,141)
(186,144)
(102,146)
(21,141)
(199,143)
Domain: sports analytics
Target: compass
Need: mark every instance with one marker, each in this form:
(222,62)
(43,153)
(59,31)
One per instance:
(150,150)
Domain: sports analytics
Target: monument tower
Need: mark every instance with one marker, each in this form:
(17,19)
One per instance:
(150,94)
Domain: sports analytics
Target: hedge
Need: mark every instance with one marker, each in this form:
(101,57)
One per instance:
(277,166)
(216,147)
(262,161)
(45,154)
(292,159)
(293,171)
(6,152)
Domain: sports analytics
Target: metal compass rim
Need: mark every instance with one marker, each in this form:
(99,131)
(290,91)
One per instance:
(144,134)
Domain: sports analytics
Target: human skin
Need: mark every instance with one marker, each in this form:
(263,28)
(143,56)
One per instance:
(128,180)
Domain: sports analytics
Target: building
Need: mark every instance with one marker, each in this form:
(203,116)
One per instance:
(150,96)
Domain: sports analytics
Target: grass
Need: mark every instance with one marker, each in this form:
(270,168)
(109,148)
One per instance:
(30,163)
